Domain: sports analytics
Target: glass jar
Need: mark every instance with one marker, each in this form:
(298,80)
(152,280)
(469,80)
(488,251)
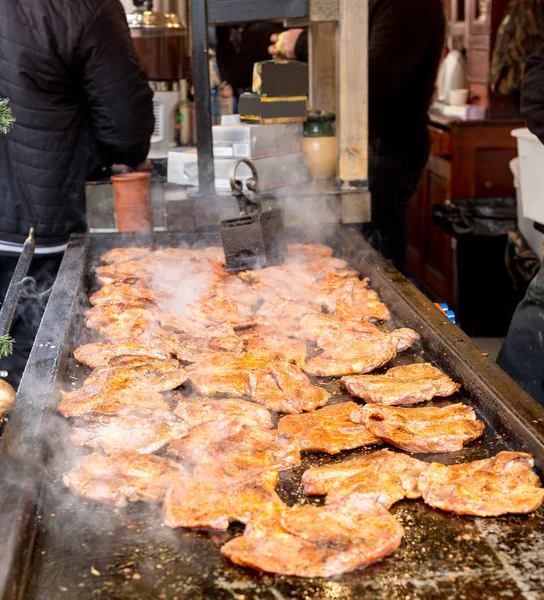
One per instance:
(320,144)
(161,43)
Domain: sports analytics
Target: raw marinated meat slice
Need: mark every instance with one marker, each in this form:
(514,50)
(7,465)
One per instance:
(269,339)
(125,477)
(196,411)
(249,449)
(121,293)
(213,504)
(491,487)
(108,399)
(347,358)
(329,429)
(402,385)
(137,432)
(429,429)
(283,387)
(132,371)
(316,541)
(383,476)
(117,255)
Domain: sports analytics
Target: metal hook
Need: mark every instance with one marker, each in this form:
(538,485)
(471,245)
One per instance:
(252,184)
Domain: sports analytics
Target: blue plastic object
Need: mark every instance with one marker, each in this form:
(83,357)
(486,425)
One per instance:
(448,312)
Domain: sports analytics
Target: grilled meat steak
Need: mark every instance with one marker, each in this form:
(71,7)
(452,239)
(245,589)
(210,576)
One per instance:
(196,411)
(143,432)
(269,339)
(313,324)
(402,385)
(108,399)
(213,504)
(283,387)
(247,449)
(356,348)
(266,379)
(491,487)
(316,541)
(193,448)
(217,307)
(329,429)
(117,255)
(135,371)
(350,298)
(346,358)
(428,429)
(98,354)
(122,293)
(122,478)
(383,476)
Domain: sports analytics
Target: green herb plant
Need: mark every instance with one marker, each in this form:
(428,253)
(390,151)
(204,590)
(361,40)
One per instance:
(6,345)
(6,117)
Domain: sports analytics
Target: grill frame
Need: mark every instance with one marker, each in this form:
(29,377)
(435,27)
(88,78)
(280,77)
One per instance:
(34,432)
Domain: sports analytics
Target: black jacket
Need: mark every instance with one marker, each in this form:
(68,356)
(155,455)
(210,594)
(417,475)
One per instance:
(532,94)
(80,100)
(406,40)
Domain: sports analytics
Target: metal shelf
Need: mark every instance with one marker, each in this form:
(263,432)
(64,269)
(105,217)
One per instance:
(220,12)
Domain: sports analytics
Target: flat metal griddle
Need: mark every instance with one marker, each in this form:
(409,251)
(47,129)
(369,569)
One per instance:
(60,546)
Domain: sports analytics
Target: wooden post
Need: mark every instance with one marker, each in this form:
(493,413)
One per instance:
(352,60)
(322,57)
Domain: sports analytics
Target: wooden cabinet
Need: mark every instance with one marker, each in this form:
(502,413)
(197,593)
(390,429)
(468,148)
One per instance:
(468,160)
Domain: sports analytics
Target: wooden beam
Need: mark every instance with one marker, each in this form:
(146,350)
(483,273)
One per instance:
(322,56)
(352,60)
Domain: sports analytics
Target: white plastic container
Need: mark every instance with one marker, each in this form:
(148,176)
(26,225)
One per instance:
(531,167)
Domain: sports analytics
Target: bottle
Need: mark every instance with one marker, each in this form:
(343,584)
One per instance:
(214,89)
(183,121)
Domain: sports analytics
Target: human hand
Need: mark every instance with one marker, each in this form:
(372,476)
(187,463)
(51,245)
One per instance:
(284,44)
(145,166)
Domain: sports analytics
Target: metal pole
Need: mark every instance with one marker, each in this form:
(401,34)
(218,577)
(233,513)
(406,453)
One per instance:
(203,112)
(15,287)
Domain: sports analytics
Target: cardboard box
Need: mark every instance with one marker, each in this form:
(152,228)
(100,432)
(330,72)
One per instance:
(257,109)
(256,141)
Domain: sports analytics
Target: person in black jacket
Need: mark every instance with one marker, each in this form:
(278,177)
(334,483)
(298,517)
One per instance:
(522,354)
(81,102)
(406,41)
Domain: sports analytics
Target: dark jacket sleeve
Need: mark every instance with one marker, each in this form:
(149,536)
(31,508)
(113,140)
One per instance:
(116,89)
(301,47)
(397,42)
(532,94)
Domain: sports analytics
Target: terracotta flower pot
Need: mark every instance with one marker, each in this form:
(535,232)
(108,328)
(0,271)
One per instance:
(133,202)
